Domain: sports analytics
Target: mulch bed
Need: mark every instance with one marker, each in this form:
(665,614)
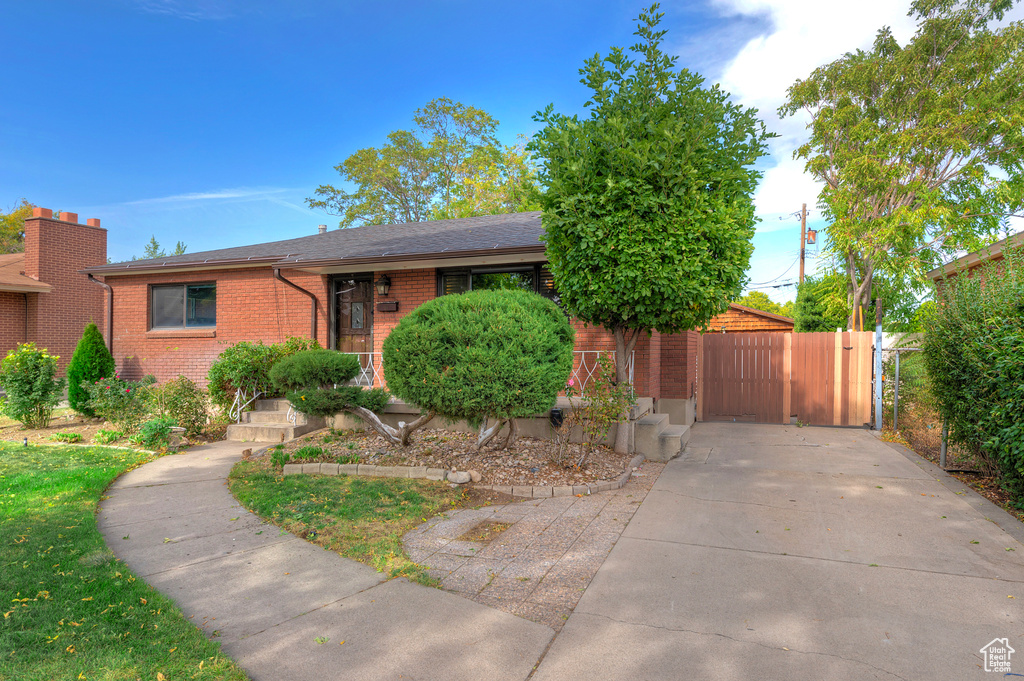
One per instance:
(528,462)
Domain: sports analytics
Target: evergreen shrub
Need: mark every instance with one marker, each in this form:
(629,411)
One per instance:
(90,362)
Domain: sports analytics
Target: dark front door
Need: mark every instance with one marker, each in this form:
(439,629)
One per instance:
(353,313)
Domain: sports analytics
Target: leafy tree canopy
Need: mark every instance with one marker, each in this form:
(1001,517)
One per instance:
(760,301)
(452,165)
(647,203)
(12,227)
(822,305)
(919,145)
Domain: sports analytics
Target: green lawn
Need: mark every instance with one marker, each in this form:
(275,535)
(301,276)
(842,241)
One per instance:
(361,518)
(70,610)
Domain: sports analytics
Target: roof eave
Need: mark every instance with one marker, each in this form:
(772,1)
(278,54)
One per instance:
(299,263)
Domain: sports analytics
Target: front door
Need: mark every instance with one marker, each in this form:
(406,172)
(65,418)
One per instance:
(353,313)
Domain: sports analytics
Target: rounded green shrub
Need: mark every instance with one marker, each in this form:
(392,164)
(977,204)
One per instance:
(28,376)
(90,362)
(501,354)
(314,368)
(246,366)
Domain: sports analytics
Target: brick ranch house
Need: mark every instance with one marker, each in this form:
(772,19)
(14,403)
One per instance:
(44,298)
(348,288)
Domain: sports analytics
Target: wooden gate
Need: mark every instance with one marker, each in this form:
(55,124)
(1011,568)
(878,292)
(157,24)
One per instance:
(822,379)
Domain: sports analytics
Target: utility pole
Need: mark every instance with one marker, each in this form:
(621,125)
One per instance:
(803,239)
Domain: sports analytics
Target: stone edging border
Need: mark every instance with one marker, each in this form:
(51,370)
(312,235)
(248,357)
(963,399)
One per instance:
(424,473)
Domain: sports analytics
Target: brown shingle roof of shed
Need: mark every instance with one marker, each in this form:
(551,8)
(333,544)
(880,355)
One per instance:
(12,278)
(373,243)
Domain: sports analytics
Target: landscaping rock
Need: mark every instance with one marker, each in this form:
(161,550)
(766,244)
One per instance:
(475,476)
(459,477)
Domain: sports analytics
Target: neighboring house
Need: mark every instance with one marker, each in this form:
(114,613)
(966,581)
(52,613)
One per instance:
(743,319)
(44,298)
(972,261)
(348,288)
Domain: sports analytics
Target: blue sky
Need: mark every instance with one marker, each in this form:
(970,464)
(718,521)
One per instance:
(210,121)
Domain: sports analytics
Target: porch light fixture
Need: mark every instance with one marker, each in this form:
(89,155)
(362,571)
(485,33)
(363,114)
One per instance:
(383,284)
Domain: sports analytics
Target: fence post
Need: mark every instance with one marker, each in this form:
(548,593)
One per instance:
(878,364)
(942,447)
(896,395)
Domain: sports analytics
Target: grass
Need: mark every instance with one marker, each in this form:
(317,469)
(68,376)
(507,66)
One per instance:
(70,609)
(360,518)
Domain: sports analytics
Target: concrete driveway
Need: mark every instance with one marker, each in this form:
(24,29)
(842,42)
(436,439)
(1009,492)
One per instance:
(774,552)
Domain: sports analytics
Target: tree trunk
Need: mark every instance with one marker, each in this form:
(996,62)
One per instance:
(396,436)
(487,434)
(625,343)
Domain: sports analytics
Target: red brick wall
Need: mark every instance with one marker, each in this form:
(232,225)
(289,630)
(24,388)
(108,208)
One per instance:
(679,365)
(54,252)
(12,312)
(411,288)
(251,306)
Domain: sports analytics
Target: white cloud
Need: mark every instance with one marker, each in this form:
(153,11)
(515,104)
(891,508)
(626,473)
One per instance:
(239,193)
(800,35)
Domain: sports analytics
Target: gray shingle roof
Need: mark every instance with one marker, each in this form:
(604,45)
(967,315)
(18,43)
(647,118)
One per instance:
(372,243)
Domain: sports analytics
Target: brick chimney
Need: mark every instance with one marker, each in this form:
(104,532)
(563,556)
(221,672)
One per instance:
(55,250)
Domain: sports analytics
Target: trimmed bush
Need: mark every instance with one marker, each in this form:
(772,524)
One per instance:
(479,355)
(314,368)
(28,376)
(90,362)
(974,351)
(246,366)
(183,401)
(154,434)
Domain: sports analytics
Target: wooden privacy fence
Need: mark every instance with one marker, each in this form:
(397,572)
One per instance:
(822,379)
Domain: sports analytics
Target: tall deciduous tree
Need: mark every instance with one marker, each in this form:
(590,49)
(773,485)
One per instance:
(451,165)
(12,227)
(759,300)
(647,209)
(920,146)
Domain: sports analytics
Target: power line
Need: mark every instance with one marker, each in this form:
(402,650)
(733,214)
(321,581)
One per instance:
(778,277)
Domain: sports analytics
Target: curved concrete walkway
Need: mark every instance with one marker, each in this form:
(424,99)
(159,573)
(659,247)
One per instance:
(268,595)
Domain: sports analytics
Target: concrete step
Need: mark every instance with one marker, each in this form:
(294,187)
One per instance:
(270,432)
(671,442)
(273,404)
(646,432)
(271,417)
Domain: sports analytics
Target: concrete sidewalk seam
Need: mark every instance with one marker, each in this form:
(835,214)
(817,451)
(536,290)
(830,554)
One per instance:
(229,555)
(828,560)
(740,640)
(168,517)
(166,484)
(745,503)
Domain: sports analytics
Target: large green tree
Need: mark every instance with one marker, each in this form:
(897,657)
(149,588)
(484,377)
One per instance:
(919,146)
(647,203)
(452,165)
(12,227)
(759,300)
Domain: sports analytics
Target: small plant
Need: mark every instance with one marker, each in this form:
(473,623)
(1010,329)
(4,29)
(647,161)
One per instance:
(279,457)
(90,362)
(307,453)
(348,458)
(594,411)
(155,434)
(28,376)
(182,400)
(105,437)
(123,403)
(65,436)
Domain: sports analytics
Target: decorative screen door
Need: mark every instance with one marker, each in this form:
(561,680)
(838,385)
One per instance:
(353,313)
